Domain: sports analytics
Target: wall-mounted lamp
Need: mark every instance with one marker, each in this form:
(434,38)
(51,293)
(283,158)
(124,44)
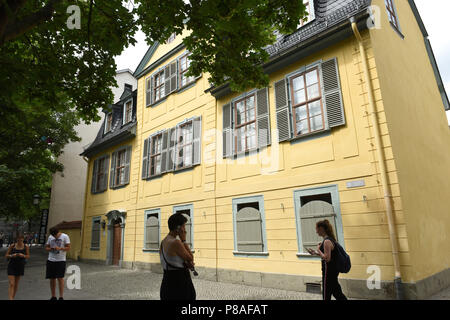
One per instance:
(103,224)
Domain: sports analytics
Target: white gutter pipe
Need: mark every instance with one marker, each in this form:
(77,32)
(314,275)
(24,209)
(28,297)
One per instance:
(382,165)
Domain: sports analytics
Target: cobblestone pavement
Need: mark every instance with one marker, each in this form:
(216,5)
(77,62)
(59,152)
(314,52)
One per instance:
(110,282)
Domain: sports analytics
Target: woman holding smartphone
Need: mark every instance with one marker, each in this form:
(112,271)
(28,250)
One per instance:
(176,259)
(325,249)
(17,253)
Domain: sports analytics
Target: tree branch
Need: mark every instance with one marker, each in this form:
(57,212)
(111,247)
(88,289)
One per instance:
(18,28)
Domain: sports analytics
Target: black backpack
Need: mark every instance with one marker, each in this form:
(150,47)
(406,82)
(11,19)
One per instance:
(343,263)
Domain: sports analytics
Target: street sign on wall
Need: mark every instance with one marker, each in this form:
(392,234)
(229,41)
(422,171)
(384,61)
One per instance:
(43,227)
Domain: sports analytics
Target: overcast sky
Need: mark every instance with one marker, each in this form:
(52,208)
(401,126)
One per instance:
(434,14)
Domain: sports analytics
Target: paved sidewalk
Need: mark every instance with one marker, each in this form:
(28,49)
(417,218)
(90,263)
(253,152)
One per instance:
(110,282)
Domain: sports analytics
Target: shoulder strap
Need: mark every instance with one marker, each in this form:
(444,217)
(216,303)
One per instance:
(167,263)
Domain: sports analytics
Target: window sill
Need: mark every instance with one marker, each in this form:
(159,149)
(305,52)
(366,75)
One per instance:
(119,187)
(150,250)
(310,136)
(154,104)
(95,249)
(246,153)
(98,192)
(307,256)
(186,86)
(397,30)
(251,254)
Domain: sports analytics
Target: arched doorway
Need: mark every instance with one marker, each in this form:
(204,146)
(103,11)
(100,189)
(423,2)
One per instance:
(116,232)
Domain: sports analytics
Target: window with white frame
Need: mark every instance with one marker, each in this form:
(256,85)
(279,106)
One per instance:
(184,146)
(158,86)
(152,230)
(128,112)
(184,63)
(392,14)
(108,122)
(120,167)
(249,225)
(155,155)
(309,4)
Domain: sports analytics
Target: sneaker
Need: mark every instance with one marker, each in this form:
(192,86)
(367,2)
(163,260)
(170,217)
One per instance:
(53,298)
(61,298)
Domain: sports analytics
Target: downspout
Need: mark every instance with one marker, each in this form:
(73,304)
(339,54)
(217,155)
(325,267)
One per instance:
(382,165)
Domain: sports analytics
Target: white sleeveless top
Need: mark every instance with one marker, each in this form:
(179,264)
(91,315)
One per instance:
(176,261)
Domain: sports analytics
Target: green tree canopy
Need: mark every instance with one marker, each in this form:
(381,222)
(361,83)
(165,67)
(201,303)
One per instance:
(53,76)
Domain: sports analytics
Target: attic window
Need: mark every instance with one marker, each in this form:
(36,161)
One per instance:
(171,38)
(310,11)
(108,123)
(127,112)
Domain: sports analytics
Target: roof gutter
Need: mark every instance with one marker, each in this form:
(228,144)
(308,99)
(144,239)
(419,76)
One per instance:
(381,162)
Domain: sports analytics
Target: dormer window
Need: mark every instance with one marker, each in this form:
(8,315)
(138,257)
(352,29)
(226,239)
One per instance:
(127,111)
(171,38)
(311,13)
(108,122)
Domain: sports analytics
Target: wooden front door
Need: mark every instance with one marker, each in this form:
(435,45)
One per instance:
(117,243)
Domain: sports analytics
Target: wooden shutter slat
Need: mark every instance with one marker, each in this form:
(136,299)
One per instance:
(227,132)
(145,160)
(332,93)
(127,165)
(105,171)
(94,176)
(263,120)
(283,114)
(148,91)
(171,151)
(113,170)
(164,150)
(197,144)
(249,230)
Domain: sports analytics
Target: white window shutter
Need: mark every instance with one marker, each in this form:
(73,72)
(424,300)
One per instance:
(263,119)
(283,113)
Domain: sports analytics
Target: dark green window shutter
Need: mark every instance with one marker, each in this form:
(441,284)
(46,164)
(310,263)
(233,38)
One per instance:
(127,165)
(145,159)
(197,141)
(113,170)
(249,230)
(227,132)
(148,91)
(164,150)
(94,177)
(332,93)
(283,111)
(167,80)
(173,76)
(104,180)
(171,158)
(263,120)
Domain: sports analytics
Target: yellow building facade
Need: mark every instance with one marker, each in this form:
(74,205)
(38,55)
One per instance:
(255,170)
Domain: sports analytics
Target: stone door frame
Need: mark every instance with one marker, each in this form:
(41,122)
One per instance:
(113,216)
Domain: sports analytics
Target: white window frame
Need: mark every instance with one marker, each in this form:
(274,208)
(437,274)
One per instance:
(125,112)
(189,207)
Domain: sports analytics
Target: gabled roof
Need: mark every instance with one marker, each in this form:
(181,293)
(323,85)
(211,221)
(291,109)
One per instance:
(119,132)
(148,55)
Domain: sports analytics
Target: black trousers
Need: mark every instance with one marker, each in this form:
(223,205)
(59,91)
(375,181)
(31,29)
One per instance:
(330,285)
(177,285)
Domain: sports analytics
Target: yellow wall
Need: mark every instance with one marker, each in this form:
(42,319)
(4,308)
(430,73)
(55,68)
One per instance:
(346,154)
(420,138)
(75,242)
(123,199)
